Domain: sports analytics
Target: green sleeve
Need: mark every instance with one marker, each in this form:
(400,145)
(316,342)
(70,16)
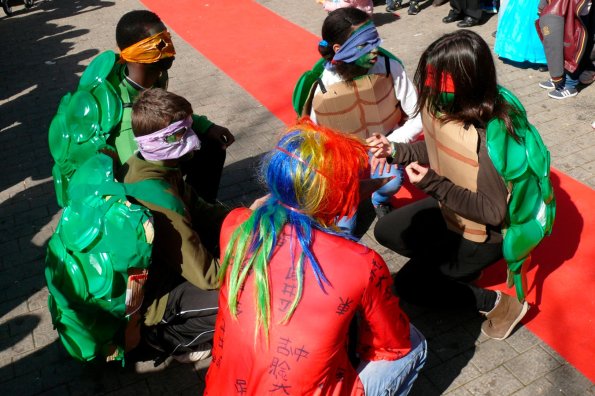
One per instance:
(200,124)
(124,141)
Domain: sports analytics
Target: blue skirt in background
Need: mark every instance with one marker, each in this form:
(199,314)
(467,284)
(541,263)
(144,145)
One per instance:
(517,38)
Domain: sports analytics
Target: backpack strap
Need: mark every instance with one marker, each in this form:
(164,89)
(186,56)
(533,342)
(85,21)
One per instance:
(321,85)
(153,191)
(386,64)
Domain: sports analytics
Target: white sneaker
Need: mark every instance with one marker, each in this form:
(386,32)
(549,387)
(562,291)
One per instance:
(192,357)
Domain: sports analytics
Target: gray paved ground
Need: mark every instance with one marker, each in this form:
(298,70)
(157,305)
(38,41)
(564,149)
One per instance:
(43,53)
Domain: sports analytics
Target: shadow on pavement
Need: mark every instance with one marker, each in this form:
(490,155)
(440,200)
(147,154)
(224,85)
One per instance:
(451,337)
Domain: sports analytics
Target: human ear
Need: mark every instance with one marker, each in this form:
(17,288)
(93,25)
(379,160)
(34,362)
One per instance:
(336,48)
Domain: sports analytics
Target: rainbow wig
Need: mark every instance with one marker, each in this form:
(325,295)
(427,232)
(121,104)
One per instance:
(313,178)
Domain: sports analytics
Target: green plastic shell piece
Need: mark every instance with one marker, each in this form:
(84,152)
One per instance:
(81,226)
(82,116)
(98,70)
(68,284)
(59,138)
(100,240)
(512,162)
(304,84)
(84,121)
(520,240)
(110,106)
(85,335)
(524,164)
(60,185)
(525,200)
(100,237)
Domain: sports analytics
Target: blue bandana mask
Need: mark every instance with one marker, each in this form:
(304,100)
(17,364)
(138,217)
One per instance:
(366,37)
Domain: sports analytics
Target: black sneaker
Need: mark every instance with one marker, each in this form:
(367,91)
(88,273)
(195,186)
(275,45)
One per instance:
(414,8)
(382,210)
(468,22)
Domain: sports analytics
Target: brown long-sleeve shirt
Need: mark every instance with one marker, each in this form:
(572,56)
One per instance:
(184,247)
(488,205)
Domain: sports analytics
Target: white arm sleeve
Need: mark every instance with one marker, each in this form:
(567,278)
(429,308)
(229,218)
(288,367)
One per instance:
(407,96)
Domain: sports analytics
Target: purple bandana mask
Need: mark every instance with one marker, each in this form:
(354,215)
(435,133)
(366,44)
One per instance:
(171,142)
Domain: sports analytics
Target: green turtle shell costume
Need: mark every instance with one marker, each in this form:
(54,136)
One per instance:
(524,164)
(98,257)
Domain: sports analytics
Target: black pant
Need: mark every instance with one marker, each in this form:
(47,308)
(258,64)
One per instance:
(189,320)
(203,170)
(467,7)
(441,262)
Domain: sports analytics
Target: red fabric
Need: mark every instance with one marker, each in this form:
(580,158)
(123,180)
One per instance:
(446,83)
(307,356)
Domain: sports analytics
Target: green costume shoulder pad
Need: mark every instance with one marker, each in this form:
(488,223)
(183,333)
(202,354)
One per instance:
(305,84)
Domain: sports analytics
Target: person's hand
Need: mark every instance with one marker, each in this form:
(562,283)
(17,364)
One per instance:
(379,145)
(110,153)
(381,165)
(220,134)
(259,202)
(415,172)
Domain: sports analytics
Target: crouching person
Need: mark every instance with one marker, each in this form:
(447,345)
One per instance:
(180,301)
(292,284)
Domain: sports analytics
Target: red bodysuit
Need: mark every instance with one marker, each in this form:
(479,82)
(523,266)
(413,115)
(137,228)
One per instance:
(307,355)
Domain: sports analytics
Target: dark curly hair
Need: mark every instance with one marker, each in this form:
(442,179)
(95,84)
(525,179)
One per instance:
(135,26)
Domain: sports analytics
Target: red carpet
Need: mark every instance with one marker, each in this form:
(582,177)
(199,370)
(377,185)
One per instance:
(265,54)
(562,278)
(262,52)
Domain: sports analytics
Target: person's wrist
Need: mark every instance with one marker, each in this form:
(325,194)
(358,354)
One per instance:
(393,153)
(393,150)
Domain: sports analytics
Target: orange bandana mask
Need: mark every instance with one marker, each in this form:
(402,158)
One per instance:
(150,50)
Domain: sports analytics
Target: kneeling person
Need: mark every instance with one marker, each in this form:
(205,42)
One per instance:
(292,284)
(180,303)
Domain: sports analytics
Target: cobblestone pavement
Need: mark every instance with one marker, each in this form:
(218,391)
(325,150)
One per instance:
(46,48)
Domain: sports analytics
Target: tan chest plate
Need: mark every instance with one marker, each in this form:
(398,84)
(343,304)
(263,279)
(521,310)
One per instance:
(363,107)
(453,153)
